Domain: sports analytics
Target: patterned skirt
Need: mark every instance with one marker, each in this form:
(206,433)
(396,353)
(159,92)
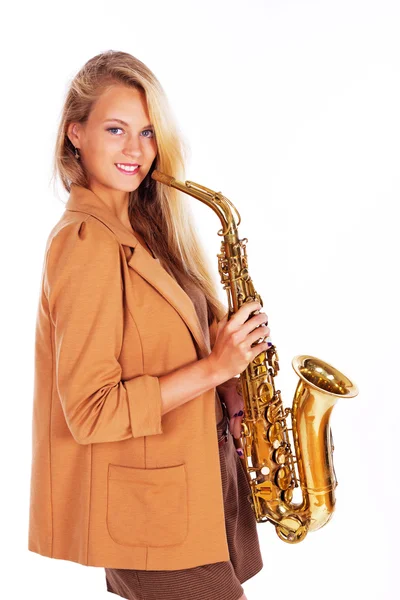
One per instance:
(216,581)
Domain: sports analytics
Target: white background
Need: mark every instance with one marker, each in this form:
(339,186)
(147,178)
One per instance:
(291,109)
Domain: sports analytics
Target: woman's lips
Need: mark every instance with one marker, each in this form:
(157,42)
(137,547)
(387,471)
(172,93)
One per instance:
(128,172)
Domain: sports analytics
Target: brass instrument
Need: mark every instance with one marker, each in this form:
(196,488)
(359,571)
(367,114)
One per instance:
(273,471)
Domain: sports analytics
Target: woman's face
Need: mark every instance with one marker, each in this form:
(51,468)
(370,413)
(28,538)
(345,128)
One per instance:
(104,142)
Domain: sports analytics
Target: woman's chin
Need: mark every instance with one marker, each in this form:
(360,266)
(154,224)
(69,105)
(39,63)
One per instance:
(126,186)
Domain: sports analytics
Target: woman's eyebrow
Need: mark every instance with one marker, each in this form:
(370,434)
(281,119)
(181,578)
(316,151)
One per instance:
(124,122)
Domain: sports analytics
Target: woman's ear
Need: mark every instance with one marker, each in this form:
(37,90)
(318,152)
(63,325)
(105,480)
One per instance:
(72,134)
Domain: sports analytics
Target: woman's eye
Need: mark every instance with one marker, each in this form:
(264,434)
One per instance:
(114,129)
(151,131)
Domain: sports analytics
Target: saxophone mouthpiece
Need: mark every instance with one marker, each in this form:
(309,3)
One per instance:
(162,177)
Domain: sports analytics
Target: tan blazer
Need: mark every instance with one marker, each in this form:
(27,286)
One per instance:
(114,483)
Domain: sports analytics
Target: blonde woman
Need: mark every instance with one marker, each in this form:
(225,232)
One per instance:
(134,468)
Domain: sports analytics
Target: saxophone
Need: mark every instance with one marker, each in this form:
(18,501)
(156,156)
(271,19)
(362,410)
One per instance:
(273,470)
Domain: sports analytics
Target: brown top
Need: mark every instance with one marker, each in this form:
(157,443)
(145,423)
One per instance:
(102,320)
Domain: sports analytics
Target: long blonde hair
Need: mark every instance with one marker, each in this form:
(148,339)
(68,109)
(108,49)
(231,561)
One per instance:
(160,214)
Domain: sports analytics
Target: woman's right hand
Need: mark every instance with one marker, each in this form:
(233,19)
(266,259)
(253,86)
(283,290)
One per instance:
(232,351)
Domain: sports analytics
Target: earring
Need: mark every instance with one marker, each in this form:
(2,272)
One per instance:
(77,154)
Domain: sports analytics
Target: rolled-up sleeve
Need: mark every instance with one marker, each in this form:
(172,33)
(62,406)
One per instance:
(83,285)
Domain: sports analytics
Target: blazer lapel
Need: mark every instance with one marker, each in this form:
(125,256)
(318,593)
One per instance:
(82,199)
(152,270)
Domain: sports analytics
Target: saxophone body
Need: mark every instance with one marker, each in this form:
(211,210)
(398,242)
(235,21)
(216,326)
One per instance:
(277,469)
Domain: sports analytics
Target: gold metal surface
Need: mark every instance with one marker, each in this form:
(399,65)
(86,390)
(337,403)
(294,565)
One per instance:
(273,469)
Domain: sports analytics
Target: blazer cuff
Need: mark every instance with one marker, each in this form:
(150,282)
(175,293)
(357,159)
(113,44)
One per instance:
(145,404)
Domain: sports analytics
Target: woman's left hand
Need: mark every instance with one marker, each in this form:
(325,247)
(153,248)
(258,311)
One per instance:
(234,404)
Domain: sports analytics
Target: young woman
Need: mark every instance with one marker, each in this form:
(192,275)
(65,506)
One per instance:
(134,468)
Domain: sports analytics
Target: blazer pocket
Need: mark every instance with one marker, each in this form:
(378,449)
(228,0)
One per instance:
(147,507)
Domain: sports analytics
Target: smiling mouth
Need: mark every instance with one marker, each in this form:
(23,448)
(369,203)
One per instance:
(127,169)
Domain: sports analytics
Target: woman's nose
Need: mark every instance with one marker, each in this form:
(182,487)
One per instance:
(133,147)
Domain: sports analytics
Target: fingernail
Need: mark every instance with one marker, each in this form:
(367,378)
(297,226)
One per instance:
(240,413)
(239,451)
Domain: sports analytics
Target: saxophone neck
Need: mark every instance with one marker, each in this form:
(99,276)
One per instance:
(219,203)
